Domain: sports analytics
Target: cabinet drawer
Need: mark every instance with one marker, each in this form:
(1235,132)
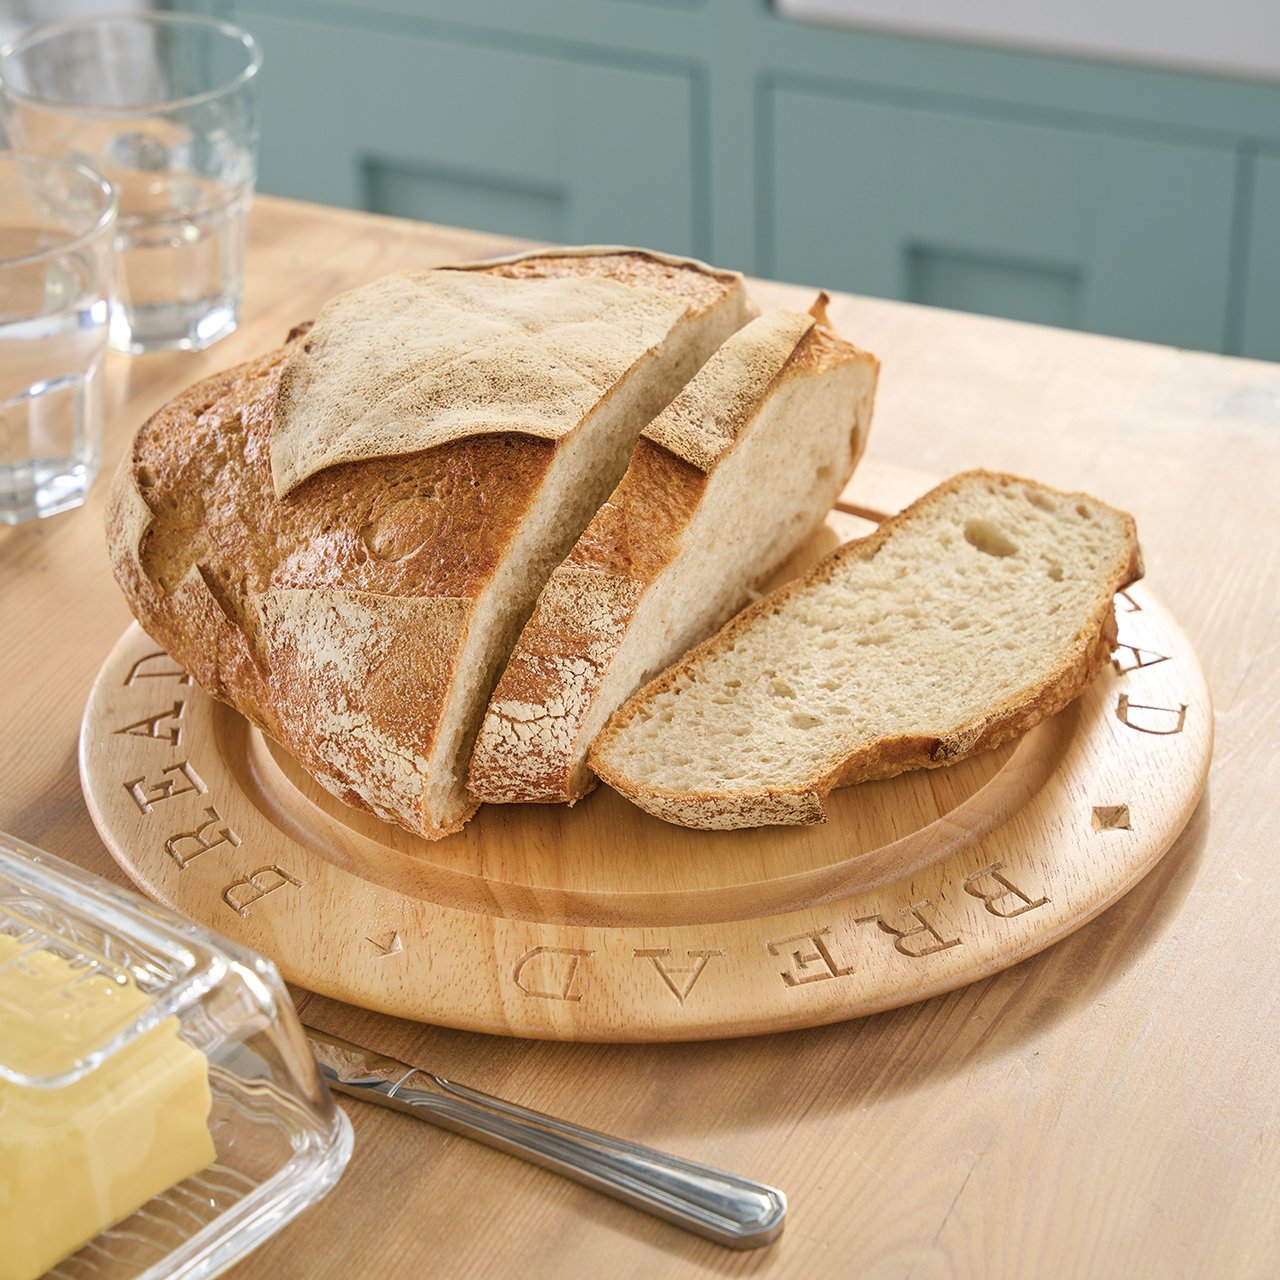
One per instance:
(1058,226)
(545,147)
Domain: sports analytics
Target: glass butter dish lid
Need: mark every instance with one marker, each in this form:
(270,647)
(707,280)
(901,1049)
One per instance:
(160,1111)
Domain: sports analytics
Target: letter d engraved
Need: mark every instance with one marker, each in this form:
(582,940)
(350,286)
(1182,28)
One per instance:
(186,845)
(813,964)
(1162,728)
(930,939)
(1005,888)
(553,977)
(241,894)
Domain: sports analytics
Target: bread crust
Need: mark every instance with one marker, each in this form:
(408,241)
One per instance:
(530,748)
(332,617)
(804,802)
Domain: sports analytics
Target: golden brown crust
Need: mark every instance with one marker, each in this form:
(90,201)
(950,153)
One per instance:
(218,547)
(805,801)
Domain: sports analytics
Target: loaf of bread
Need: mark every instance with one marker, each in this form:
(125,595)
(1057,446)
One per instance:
(962,622)
(344,537)
(722,487)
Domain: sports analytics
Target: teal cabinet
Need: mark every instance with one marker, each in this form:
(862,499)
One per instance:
(1066,227)
(491,138)
(1090,195)
(1261,286)
(308,141)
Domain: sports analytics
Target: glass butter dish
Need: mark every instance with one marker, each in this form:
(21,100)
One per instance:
(160,1110)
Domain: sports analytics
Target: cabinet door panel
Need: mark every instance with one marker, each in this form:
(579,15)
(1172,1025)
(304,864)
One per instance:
(1262,285)
(306,148)
(1072,228)
(533,146)
(548,147)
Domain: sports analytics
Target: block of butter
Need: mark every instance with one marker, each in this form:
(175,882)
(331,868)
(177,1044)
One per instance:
(77,1159)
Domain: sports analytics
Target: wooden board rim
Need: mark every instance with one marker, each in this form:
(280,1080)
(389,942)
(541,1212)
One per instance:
(845,954)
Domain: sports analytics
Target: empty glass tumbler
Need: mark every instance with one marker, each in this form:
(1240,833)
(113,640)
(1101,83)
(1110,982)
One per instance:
(164,106)
(57,221)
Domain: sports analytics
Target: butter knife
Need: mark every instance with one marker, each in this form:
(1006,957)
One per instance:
(723,1207)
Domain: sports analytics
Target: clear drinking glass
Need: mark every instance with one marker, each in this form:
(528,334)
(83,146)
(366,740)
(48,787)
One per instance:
(164,106)
(57,221)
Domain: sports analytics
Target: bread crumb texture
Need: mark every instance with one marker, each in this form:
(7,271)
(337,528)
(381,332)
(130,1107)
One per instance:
(723,484)
(978,611)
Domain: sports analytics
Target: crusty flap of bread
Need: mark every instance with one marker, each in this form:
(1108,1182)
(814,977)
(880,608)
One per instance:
(704,419)
(701,285)
(351,672)
(411,362)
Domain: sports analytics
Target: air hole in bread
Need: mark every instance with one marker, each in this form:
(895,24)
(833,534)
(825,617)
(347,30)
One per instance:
(1055,571)
(145,477)
(1083,511)
(988,538)
(804,720)
(781,689)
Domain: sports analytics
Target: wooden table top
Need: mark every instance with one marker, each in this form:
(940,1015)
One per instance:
(1109,1107)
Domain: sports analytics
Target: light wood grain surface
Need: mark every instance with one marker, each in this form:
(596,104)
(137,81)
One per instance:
(1106,1108)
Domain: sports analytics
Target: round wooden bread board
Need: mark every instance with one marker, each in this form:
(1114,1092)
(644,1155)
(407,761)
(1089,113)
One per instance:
(601,923)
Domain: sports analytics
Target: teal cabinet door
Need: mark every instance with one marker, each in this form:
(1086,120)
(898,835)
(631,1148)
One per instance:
(1059,226)
(307,142)
(472,135)
(1261,337)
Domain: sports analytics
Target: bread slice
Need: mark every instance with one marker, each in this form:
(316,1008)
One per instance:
(960,623)
(723,486)
(351,578)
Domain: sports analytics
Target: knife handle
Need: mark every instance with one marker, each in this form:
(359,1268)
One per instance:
(733,1211)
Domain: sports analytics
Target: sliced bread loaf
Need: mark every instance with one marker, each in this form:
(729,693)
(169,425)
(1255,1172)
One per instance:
(344,537)
(723,485)
(961,622)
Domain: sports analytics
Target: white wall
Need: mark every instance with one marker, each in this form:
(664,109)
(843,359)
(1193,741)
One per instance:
(1235,37)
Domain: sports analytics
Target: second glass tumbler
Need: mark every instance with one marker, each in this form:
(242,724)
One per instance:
(163,106)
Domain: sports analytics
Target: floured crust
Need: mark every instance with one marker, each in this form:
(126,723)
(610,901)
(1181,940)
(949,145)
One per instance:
(349,671)
(706,417)
(804,799)
(332,618)
(701,286)
(412,362)
(530,747)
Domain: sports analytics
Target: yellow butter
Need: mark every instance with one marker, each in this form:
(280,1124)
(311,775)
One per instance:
(78,1159)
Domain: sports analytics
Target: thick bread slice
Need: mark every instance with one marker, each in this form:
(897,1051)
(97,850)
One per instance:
(361,617)
(960,623)
(723,485)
